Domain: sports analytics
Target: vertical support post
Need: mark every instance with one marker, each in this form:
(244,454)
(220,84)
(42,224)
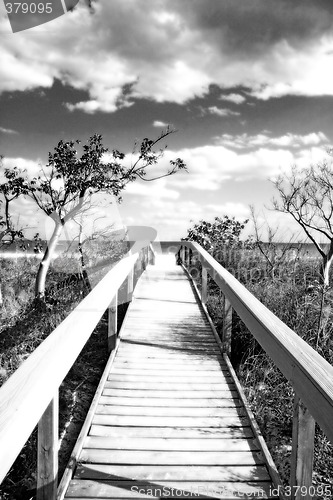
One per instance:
(137,271)
(186,257)
(112,323)
(47,452)
(129,285)
(182,255)
(302,451)
(227,326)
(143,258)
(152,255)
(204,278)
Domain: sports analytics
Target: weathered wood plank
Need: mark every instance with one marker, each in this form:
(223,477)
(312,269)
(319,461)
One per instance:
(172,432)
(169,444)
(228,391)
(144,367)
(177,355)
(223,491)
(138,457)
(154,337)
(212,378)
(171,402)
(181,346)
(168,386)
(138,421)
(168,489)
(112,323)
(171,369)
(168,411)
(47,452)
(172,472)
(303,451)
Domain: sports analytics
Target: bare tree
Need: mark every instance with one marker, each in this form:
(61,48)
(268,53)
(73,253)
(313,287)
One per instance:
(307,196)
(274,254)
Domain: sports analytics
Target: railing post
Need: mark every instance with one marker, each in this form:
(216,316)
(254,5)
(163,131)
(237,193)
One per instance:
(204,278)
(227,326)
(112,323)
(151,255)
(301,466)
(143,258)
(190,253)
(129,285)
(47,452)
(182,255)
(136,271)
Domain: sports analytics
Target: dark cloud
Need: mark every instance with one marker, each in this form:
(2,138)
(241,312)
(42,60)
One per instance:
(249,26)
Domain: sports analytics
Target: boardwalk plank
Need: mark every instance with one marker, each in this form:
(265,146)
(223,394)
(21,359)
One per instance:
(168,411)
(172,432)
(231,421)
(215,378)
(139,457)
(168,489)
(180,365)
(169,386)
(227,391)
(171,402)
(172,472)
(170,444)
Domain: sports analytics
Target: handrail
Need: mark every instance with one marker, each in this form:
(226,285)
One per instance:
(309,373)
(27,393)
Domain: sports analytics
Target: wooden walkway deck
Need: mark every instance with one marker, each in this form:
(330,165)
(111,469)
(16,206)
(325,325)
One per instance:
(169,421)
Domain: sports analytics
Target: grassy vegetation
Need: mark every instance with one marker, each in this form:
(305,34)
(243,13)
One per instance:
(293,293)
(25,324)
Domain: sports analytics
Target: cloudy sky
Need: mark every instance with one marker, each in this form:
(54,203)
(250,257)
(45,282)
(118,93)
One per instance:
(247,84)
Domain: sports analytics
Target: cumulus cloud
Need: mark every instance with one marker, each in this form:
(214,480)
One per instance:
(288,140)
(173,51)
(31,166)
(158,190)
(211,166)
(158,123)
(235,98)
(214,110)
(238,210)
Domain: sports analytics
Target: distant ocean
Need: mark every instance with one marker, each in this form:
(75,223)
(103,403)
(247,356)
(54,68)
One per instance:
(15,250)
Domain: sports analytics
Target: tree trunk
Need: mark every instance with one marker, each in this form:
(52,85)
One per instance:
(325,275)
(46,261)
(326,265)
(83,264)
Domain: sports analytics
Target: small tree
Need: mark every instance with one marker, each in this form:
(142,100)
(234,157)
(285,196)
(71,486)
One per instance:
(64,187)
(10,190)
(307,196)
(224,231)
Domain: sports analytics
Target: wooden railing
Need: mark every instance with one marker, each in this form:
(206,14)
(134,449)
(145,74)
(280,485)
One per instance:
(30,396)
(310,375)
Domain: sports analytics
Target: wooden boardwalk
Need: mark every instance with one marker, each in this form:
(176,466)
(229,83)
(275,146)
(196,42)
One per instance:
(169,421)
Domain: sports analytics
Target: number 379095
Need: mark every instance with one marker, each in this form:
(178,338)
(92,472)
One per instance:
(28,8)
